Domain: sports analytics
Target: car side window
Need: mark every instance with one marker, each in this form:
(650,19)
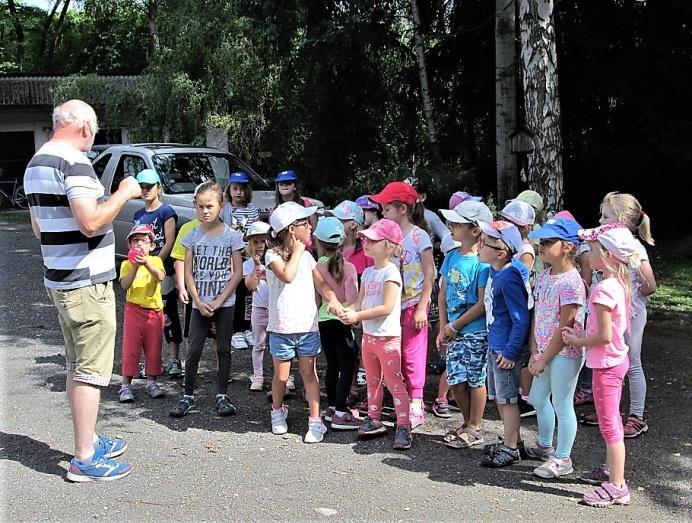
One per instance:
(129,165)
(100,166)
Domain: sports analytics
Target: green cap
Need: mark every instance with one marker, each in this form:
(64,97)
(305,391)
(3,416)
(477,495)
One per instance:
(534,199)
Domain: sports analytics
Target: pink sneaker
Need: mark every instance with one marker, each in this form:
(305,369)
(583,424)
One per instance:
(634,426)
(582,397)
(416,416)
(607,495)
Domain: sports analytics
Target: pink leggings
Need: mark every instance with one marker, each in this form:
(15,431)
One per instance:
(382,358)
(414,353)
(607,391)
(259,320)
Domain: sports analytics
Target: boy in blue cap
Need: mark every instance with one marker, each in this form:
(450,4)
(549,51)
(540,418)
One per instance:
(507,315)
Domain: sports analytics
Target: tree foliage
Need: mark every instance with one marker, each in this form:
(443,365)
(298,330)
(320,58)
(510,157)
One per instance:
(332,89)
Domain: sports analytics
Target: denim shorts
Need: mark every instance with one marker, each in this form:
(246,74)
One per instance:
(503,384)
(467,359)
(285,347)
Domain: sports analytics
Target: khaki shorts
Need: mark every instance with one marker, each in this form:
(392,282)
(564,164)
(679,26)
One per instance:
(87,319)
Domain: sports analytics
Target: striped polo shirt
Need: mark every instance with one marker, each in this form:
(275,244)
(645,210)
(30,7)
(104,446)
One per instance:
(55,175)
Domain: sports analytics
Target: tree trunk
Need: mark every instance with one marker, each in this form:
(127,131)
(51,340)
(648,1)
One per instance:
(505,100)
(46,30)
(153,18)
(423,75)
(541,101)
(19,33)
(58,33)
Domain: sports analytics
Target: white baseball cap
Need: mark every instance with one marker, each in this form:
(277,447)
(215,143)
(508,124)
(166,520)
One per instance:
(468,211)
(287,213)
(257,228)
(519,213)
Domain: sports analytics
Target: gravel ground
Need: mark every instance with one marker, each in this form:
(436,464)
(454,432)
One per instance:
(204,467)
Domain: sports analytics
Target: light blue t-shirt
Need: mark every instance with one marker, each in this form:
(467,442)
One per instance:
(463,276)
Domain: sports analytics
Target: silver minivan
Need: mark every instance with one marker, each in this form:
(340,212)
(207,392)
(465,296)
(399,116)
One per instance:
(182,168)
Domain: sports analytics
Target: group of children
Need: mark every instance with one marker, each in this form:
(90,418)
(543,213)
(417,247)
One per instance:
(357,284)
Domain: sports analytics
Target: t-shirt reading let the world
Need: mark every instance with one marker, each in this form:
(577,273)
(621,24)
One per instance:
(211,264)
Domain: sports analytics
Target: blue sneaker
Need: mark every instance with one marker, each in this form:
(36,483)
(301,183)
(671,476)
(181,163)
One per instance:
(112,448)
(101,468)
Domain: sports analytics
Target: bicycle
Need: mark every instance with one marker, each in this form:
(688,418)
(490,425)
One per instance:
(17,196)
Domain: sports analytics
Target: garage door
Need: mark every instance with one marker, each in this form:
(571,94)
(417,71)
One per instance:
(16,149)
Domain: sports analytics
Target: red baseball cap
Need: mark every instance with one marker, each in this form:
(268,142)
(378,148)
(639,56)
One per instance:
(396,192)
(142,229)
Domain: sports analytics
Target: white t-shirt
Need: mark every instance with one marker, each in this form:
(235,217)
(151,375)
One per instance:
(372,282)
(411,265)
(292,306)
(526,248)
(260,296)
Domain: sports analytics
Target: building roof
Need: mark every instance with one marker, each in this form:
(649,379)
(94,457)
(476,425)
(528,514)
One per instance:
(28,91)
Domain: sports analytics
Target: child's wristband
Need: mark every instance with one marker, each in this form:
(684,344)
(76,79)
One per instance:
(455,331)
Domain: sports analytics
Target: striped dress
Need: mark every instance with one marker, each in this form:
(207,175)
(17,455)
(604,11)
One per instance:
(239,218)
(56,174)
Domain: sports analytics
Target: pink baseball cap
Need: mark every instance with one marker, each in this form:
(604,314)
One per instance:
(461,196)
(565,214)
(383,230)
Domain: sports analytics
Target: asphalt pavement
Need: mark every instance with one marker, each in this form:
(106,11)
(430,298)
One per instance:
(204,467)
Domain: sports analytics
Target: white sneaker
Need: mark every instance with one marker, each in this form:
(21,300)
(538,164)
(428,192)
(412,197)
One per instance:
(248,338)
(256,382)
(238,341)
(316,432)
(290,383)
(279,425)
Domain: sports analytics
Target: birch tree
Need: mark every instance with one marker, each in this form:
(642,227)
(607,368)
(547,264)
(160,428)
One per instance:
(505,99)
(541,102)
(423,76)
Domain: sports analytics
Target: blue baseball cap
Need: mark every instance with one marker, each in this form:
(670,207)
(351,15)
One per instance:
(286,176)
(348,210)
(559,228)
(330,230)
(148,176)
(238,177)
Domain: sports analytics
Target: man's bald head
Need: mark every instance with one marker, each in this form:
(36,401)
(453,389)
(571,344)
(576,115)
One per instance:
(75,121)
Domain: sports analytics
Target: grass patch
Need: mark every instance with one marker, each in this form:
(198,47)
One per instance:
(674,278)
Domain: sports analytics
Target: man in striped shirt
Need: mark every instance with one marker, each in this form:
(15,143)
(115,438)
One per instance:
(73,221)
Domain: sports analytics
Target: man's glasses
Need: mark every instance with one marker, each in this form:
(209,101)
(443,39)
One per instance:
(146,187)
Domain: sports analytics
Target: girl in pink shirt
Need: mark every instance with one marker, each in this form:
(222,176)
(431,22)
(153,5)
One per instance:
(613,251)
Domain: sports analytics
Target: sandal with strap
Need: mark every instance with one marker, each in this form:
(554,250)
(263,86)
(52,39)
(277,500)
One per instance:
(452,435)
(607,495)
(465,440)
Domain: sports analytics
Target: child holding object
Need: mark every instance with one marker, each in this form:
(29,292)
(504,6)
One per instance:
(140,277)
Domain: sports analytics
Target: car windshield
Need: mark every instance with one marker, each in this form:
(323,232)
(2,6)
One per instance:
(182,172)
